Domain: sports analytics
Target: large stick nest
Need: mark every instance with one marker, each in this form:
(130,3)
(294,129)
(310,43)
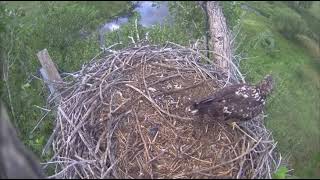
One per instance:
(124,116)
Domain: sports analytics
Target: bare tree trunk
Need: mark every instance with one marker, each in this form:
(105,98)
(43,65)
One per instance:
(220,40)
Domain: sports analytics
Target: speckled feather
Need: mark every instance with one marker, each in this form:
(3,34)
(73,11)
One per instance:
(239,102)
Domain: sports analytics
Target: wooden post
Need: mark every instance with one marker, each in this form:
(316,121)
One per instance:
(51,76)
(49,73)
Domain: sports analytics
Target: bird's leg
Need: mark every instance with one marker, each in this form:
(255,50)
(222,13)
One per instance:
(232,123)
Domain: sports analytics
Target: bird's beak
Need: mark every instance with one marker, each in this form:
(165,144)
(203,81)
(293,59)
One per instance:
(194,111)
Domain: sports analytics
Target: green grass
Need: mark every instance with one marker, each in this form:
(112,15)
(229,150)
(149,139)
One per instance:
(29,40)
(293,109)
(315,9)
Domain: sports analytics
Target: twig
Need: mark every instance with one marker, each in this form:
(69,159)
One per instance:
(156,105)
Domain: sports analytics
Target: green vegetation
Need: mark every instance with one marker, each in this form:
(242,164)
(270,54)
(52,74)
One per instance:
(293,110)
(65,29)
(277,37)
(190,26)
(281,173)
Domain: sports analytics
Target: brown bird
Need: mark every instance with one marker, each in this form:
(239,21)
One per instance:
(239,102)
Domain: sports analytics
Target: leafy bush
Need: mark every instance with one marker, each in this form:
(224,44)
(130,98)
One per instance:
(267,41)
(56,26)
(281,173)
(265,9)
(189,24)
(60,27)
(299,5)
(289,24)
(232,12)
(189,17)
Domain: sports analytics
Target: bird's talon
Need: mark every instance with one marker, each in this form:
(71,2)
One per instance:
(234,124)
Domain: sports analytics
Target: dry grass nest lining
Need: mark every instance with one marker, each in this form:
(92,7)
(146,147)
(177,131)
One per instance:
(124,116)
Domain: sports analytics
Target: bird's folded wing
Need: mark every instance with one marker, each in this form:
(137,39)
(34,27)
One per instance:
(221,94)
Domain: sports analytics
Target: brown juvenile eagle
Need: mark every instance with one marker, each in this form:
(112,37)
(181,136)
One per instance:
(238,102)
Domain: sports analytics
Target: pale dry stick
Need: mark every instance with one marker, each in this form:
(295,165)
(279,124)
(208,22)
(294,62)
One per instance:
(201,69)
(109,86)
(136,26)
(224,163)
(106,76)
(101,52)
(204,161)
(110,134)
(50,140)
(230,61)
(62,131)
(164,79)
(249,130)
(112,166)
(110,104)
(103,162)
(69,166)
(77,128)
(142,138)
(156,105)
(78,93)
(240,170)
(86,174)
(86,143)
(153,74)
(136,52)
(143,78)
(182,89)
(42,108)
(171,67)
(55,162)
(38,123)
(159,155)
(236,34)
(203,56)
(90,169)
(236,125)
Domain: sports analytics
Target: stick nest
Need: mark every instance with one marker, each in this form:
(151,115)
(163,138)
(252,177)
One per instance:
(124,116)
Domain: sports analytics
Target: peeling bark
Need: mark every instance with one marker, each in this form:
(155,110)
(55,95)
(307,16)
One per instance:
(220,40)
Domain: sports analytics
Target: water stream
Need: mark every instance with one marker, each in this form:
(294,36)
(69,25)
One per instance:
(151,14)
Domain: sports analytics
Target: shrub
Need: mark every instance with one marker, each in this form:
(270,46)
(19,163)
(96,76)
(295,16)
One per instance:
(266,41)
(59,27)
(189,17)
(56,26)
(232,12)
(281,173)
(300,5)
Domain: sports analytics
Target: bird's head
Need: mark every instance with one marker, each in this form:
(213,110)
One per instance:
(266,85)
(193,108)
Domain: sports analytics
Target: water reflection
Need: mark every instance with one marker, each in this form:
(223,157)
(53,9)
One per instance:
(151,14)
